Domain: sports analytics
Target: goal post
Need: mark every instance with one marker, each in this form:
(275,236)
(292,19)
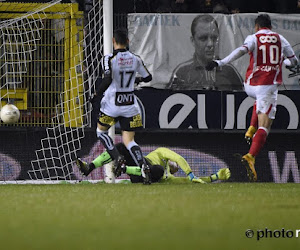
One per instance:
(108,48)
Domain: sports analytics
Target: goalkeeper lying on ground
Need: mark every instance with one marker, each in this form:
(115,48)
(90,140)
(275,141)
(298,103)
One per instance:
(163,163)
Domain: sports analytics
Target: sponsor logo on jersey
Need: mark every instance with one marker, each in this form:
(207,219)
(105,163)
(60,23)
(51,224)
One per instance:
(268,39)
(267,68)
(125,62)
(124,98)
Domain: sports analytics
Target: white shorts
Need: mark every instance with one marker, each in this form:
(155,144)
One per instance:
(109,108)
(266,98)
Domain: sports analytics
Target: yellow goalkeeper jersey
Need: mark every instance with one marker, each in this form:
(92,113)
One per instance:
(160,156)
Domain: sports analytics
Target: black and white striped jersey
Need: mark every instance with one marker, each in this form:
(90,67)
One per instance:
(122,67)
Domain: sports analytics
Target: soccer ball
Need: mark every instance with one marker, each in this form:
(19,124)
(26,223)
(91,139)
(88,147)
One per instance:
(9,114)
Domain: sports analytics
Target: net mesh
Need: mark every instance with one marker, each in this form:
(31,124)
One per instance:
(19,37)
(55,159)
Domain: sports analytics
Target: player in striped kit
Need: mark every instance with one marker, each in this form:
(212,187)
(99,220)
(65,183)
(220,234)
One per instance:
(119,102)
(268,50)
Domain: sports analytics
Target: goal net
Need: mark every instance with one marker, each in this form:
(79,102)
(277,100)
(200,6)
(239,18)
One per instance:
(76,40)
(19,37)
(56,158)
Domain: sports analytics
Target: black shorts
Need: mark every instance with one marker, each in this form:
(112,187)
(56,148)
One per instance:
(127,123)
(156,171)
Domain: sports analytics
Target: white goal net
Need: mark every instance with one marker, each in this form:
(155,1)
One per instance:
(18,41)
(80,35)
(55,159)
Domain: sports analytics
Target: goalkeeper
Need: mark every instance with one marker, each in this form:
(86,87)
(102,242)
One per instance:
(163,163)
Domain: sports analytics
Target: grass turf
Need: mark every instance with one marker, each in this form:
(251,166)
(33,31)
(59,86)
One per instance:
(160,216)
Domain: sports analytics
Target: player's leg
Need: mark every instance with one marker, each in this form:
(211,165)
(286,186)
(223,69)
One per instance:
(104,123)
(104,158)
(106,140)
(136,173)
(87,168)
(258,142)
(157,172)
(252,92)
(127,156)
(253,125)
(261,135)
(137,155)
(266,109)
(137,176)
(133,148)
(129,125)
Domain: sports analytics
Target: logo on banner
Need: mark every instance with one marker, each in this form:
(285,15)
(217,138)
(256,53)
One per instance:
(290,167)
(9,168)
(233,117)
(187,106)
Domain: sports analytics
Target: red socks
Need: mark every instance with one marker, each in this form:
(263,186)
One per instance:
(258,141)
(254,118)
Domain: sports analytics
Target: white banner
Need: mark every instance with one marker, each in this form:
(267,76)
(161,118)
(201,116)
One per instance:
(169,50)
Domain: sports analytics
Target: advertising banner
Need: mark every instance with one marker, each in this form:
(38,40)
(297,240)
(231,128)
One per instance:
(205,152)
(176,48)
(207,110)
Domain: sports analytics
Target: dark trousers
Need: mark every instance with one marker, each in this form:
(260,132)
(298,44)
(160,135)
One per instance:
(156,171)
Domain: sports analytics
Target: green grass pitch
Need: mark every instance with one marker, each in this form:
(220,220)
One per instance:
(159,216)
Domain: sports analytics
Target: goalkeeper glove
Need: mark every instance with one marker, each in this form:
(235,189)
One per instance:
(211,65)
(224,174)
(194,179)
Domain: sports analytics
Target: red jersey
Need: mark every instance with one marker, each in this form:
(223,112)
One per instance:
(267,51)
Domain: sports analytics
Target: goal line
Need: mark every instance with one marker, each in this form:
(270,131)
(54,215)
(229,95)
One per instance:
(56,182)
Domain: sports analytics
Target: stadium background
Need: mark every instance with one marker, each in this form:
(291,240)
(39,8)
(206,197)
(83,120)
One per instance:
(207,149)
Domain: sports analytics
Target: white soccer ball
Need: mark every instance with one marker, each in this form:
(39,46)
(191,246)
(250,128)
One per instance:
(9,114)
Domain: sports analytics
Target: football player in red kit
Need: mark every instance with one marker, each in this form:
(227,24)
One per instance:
(267,50)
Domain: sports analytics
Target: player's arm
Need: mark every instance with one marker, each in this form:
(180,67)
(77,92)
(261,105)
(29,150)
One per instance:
(237,53)
(291,59)
(104,83)
(143,79)
(223,175)
(143,71)
(107,74)
(234,55)
(169,155)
